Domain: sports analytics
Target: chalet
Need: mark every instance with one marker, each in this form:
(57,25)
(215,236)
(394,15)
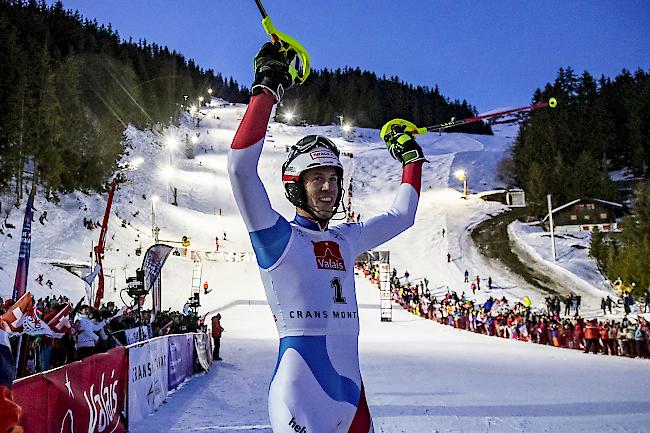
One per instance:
(586,214)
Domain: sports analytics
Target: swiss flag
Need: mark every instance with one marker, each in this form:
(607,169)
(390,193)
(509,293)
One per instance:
(60,322)
(12,320)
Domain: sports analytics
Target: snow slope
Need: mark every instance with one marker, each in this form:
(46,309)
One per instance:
(419,376)
(422,377)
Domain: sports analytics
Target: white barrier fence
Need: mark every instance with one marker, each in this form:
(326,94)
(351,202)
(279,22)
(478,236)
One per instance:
(159,365)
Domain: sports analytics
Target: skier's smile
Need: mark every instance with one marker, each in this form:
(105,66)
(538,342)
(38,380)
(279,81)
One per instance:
(321,189)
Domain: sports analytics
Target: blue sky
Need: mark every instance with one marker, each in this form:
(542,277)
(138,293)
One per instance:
(492,53)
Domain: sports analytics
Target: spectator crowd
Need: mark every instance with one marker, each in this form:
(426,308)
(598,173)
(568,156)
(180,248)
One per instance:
(518,320)
(92,331)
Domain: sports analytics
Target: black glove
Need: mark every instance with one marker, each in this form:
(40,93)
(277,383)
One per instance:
(402,146)
(271,66)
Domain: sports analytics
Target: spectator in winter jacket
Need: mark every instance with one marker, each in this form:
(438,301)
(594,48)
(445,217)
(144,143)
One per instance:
(87,338)
(639,339)
(629,340)
(621,339)
(217,329)
(591,337)
(603,330)
(612,340)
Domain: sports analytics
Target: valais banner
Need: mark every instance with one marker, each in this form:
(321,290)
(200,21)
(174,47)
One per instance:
(85,396)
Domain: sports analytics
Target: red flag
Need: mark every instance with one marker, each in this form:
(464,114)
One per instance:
(12,320)
(60,322)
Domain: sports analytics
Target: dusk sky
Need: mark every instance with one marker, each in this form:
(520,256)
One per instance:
(494,54)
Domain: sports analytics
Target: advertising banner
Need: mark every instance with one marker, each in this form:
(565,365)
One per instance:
(181,359)
(203,350)
(133,334)
(152,264)
(31,394)
(148,378)
(85,396)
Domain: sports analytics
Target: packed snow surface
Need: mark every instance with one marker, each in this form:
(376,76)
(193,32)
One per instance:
(419,376)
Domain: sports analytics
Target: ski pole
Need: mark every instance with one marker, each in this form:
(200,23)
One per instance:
(299,72)
(410,127)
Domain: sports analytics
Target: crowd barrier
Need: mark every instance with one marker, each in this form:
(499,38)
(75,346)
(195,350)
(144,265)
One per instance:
(109,391)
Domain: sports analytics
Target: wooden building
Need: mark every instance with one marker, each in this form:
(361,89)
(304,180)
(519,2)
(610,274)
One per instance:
(586,214)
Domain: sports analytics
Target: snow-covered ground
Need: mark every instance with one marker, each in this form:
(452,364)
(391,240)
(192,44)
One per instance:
(420,377)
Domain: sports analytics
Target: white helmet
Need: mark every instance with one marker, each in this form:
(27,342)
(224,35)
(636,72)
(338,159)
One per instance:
(310,152)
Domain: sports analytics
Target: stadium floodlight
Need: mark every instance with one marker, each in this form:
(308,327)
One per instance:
(154,227)
(171,142)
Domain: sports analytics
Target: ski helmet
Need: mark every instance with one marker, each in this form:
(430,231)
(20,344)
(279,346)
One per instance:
(310,152)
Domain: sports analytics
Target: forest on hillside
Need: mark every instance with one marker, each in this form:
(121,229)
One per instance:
(69,87)
(598,127)
(368,101)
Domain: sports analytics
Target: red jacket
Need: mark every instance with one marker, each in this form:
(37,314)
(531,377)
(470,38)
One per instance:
(591,332)
(604,334)
(217,329)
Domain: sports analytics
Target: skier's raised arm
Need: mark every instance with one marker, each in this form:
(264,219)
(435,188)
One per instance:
(265,225)
(401,215)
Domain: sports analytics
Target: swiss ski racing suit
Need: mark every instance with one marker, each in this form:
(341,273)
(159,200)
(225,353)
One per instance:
(308,276)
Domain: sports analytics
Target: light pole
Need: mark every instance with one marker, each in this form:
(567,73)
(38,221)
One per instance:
(154,228)
(171,143)
(166,174)
(462,176)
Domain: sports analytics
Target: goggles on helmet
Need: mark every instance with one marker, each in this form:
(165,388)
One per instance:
(307,143)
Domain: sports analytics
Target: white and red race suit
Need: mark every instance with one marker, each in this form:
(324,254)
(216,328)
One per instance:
(308,276)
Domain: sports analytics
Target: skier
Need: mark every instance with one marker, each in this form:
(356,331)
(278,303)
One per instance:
(466,276)
(307,267)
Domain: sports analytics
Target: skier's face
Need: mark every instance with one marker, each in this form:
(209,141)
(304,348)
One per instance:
(321,188)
